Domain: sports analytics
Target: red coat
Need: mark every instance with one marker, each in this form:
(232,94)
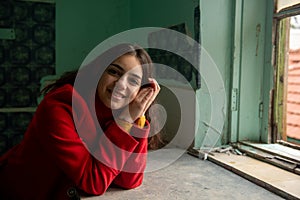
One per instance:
(54,157)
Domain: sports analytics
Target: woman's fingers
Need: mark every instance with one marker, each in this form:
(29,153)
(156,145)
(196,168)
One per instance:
(148,100)
(144,99)
(137,106)
(153,95)
(154,82)
(143,95)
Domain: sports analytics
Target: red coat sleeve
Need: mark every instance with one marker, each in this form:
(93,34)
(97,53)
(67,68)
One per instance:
(91,169)
(132,174)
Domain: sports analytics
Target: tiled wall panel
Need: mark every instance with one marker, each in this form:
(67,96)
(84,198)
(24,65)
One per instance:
(23,62)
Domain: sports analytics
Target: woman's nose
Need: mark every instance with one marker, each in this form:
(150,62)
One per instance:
(121,83)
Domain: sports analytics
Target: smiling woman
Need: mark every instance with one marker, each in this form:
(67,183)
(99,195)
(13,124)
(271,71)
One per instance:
(64,154)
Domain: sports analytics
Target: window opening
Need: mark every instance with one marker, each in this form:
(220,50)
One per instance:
(287,77)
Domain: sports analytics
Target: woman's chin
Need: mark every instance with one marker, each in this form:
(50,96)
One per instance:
(116,105)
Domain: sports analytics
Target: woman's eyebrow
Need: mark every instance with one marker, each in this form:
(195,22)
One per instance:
(121,68)
(117,66)
(137,76)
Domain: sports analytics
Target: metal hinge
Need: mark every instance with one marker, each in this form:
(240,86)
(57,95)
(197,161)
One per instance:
(234,99)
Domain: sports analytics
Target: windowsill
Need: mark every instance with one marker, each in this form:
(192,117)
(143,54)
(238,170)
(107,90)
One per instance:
(280,181)
(283,156)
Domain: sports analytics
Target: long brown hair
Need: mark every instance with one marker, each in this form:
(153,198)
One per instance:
(96,69)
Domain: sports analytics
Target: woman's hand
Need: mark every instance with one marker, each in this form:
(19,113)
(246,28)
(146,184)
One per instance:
(141,103)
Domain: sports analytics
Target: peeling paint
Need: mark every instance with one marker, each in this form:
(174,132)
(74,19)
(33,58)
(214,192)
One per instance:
(211,127)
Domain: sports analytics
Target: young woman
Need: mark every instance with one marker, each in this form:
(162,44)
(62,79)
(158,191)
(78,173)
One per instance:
(84,136)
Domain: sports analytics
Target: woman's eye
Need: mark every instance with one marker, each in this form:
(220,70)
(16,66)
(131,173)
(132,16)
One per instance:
(134,82)
(113,72)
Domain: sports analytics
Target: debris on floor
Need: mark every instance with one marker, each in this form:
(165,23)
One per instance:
(203,154)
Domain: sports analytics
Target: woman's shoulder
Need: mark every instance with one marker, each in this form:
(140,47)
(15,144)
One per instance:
(64,89)
(61,100)
(62,94)
(65,95)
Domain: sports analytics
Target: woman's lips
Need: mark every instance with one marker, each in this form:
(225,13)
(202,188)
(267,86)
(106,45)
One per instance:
(116,95)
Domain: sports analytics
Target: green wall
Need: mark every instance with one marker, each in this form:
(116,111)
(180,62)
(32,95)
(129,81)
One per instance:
(236,34)
(240,43)
(158,13)
(252,69)
(216,36)
(254,40)
(81,25)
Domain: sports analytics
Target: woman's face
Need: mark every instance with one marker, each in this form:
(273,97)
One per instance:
(120,82)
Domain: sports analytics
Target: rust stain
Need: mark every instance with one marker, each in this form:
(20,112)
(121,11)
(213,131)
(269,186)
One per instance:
(258,30)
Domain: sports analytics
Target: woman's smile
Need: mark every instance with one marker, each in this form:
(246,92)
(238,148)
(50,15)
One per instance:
(116,95)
